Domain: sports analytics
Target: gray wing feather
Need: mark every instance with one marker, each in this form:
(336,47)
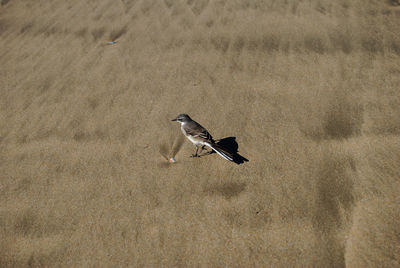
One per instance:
(196,130)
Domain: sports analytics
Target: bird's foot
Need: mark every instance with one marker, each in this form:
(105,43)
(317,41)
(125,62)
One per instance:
(195,155)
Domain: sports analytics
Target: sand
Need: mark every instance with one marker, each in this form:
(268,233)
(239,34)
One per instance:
(309,89)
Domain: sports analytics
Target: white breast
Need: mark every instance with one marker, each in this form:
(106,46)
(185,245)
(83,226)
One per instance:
(192,139)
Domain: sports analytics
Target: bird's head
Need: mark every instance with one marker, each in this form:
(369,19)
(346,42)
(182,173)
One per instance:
(182,118)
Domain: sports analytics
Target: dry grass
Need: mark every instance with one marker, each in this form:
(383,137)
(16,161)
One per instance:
(309,89)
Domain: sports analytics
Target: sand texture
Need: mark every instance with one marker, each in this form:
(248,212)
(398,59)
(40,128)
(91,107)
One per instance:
(310,91)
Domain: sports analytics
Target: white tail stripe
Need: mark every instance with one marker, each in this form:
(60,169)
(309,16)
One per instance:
(221,153)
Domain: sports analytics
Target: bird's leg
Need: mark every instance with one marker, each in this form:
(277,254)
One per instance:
(196,155)
(203,148)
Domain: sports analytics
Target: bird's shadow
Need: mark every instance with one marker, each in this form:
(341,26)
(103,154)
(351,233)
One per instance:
(231,146)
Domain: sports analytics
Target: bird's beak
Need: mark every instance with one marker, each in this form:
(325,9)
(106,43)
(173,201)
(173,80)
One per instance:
(173,119)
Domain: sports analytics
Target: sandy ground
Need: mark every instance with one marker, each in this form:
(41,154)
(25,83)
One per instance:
(309,89)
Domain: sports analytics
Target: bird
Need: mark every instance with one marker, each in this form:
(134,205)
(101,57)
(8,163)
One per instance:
(199,136)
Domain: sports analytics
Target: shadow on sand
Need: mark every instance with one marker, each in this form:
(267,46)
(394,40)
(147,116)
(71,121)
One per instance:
(226,189)
(231,146)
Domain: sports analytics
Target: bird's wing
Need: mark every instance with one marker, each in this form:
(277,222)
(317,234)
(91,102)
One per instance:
(196,130)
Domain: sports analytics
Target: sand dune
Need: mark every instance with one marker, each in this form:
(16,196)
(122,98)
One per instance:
(309,89)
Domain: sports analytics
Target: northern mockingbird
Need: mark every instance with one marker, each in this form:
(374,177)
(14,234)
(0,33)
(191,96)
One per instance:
(199,136)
